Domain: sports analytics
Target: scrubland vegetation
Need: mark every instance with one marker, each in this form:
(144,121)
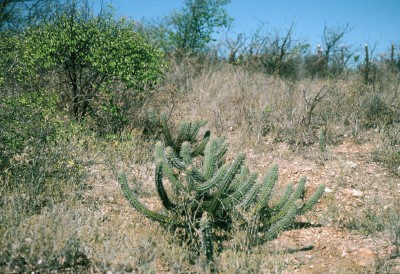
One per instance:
(77,96)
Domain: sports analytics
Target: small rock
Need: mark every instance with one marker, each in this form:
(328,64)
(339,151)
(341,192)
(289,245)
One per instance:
(328,190)
(353,192)
(357,193)
(351,164)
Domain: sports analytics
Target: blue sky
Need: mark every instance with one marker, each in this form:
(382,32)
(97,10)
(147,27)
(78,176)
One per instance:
(376,22)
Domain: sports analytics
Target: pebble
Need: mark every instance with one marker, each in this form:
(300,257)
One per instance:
(353,192)
(328,190)
(357,193)
(351,164)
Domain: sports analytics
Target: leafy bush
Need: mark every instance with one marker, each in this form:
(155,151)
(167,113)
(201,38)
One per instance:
(90,54)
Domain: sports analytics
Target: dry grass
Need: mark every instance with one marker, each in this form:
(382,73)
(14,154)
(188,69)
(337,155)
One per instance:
(253,105)
(93,229)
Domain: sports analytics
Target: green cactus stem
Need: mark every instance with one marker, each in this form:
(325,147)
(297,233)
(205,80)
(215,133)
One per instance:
(206,236)
(127,192)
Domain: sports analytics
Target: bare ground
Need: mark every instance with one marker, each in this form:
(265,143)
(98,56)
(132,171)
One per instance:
(338,238)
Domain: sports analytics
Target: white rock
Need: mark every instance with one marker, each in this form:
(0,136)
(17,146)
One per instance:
(351,164)
(353,192)
(356,193)
(328,190)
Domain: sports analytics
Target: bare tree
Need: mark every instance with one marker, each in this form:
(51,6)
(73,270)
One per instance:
(273,52)
(280,52)
(332,39)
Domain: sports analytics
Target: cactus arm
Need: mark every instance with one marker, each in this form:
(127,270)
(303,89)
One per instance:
(133,200)
(195,173)
(167,170)
(241,191)
(160,187)
(227,179)
(183,134)
(209,161)
(268,184)
(189,180)
(186,153)
(299,192)
(312,200)
(174,159)
(279,225)
(206,236)
(251,196)
(194,130)
(172,177)
(166,131)
(248,184)
(200,147)
(240,178)
(284,198)
(290,201)
(213,181)
(159,151)
(222,149)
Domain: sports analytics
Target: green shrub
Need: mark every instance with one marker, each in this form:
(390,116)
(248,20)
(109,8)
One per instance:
(27,121)
(90,55)
(38,163)
(377,112)
(388,153)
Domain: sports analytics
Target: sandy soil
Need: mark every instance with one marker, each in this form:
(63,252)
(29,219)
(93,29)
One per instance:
(355,186)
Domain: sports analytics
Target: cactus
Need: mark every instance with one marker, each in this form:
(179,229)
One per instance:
(392,54)
(187,133)
(367,65)
(206,235)
(205,195)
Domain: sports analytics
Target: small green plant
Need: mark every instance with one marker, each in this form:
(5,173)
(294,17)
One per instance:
(377,112)
(322,138)
(210,195)
(388,153)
